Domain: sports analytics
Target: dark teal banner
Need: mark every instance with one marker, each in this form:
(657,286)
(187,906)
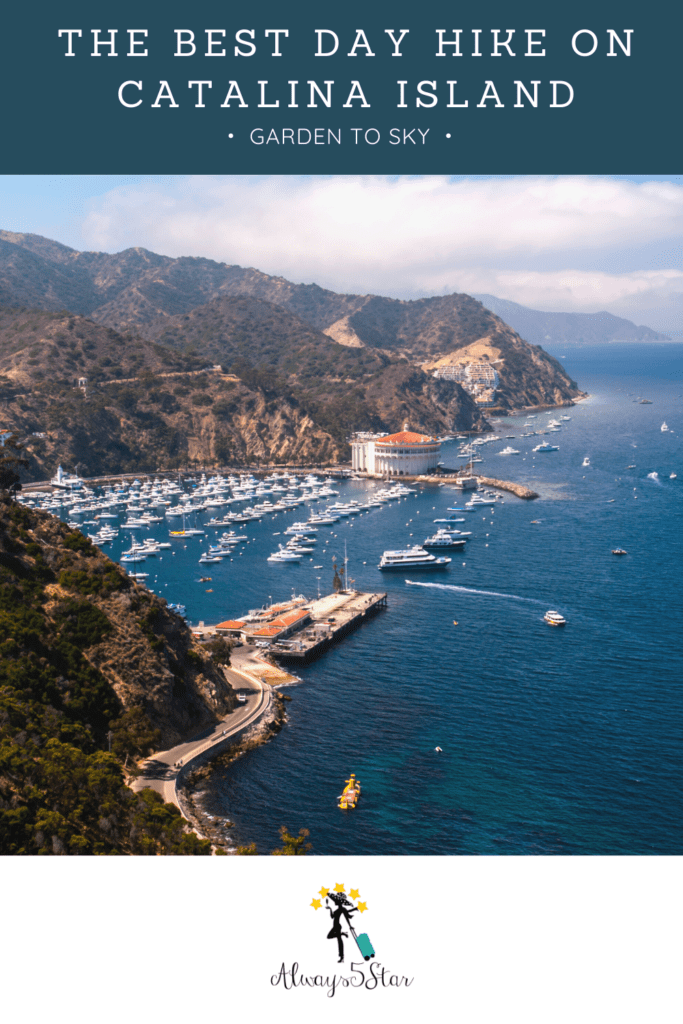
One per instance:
(356,88)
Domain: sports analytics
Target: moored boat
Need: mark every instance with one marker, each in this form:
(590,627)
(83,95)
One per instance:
(444,539)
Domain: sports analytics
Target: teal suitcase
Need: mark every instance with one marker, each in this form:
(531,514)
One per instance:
(364,944)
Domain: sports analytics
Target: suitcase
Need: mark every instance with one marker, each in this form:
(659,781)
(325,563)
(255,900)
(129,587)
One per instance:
(364,944)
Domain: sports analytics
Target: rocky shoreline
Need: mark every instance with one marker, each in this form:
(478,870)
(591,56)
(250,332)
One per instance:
(192,792)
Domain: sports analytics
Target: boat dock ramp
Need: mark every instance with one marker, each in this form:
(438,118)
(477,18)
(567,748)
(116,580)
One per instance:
(300,630)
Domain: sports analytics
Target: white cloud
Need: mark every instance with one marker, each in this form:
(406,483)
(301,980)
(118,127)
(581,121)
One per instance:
(409,236)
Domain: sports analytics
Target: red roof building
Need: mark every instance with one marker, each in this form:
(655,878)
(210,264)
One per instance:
(403,454)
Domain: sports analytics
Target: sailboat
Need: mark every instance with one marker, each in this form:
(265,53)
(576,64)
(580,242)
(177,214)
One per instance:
(192,532)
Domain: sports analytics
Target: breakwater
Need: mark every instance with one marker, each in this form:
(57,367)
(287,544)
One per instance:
(507,485)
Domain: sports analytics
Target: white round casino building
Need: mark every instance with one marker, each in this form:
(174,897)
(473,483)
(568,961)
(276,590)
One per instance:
(402,454)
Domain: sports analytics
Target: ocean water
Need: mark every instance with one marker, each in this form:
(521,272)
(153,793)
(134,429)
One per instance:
(554,741)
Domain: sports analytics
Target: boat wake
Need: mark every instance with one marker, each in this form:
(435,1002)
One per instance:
(653,476)
(471,590)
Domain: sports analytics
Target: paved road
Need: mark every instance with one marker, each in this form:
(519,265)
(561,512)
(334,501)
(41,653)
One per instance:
(161,771)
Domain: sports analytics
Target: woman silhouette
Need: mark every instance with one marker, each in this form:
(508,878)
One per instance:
(344,908)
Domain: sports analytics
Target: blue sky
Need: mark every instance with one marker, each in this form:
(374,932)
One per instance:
(579,244)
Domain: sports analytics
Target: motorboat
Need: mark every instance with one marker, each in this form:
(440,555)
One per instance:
(412,558)
(546,447)
(555,619)
(283,555)
(444,539)
(476,501)
(587,462)
(619,551)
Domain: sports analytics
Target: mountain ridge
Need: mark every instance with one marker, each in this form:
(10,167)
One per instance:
(292,391)
(539,327)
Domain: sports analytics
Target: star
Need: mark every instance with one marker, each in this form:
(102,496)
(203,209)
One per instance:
(354,893)
(362,907)
(324,892)
(316,904)
(339,887)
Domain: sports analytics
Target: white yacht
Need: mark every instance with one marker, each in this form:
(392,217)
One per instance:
(412,558)
(509,450)
(476,501)
(587,462)
(283,555)
(546,447)
(444,539)
(663,428)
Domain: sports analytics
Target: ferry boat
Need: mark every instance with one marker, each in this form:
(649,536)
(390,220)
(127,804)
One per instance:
(412,558)
(350,794)
(555,619)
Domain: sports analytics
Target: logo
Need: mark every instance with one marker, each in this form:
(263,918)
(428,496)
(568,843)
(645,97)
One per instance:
(352,947)
(340,908)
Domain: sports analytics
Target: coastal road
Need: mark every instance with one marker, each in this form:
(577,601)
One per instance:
(160,772)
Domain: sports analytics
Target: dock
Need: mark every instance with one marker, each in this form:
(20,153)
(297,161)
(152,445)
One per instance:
(332,618)
(300,630)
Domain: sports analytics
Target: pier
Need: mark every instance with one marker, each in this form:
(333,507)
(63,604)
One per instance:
(300,630)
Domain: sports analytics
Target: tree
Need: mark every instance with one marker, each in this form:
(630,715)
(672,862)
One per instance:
(219,649)
(293,846)
(11,462)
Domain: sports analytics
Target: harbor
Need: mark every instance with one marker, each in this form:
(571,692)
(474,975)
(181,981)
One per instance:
(461,651)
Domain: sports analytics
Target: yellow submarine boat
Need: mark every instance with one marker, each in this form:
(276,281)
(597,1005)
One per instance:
(350,794)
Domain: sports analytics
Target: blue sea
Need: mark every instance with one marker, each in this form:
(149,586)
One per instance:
(553,741)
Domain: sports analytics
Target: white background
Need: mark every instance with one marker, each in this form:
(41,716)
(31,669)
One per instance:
(486,940)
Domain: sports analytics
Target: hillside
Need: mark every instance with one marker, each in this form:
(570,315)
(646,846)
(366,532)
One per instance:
(146,407)
(541,328)
(89,661)
(293,395)
(347,362)
(342,388)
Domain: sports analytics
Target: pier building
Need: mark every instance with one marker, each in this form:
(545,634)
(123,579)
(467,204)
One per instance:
(402,454)
(301,629)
